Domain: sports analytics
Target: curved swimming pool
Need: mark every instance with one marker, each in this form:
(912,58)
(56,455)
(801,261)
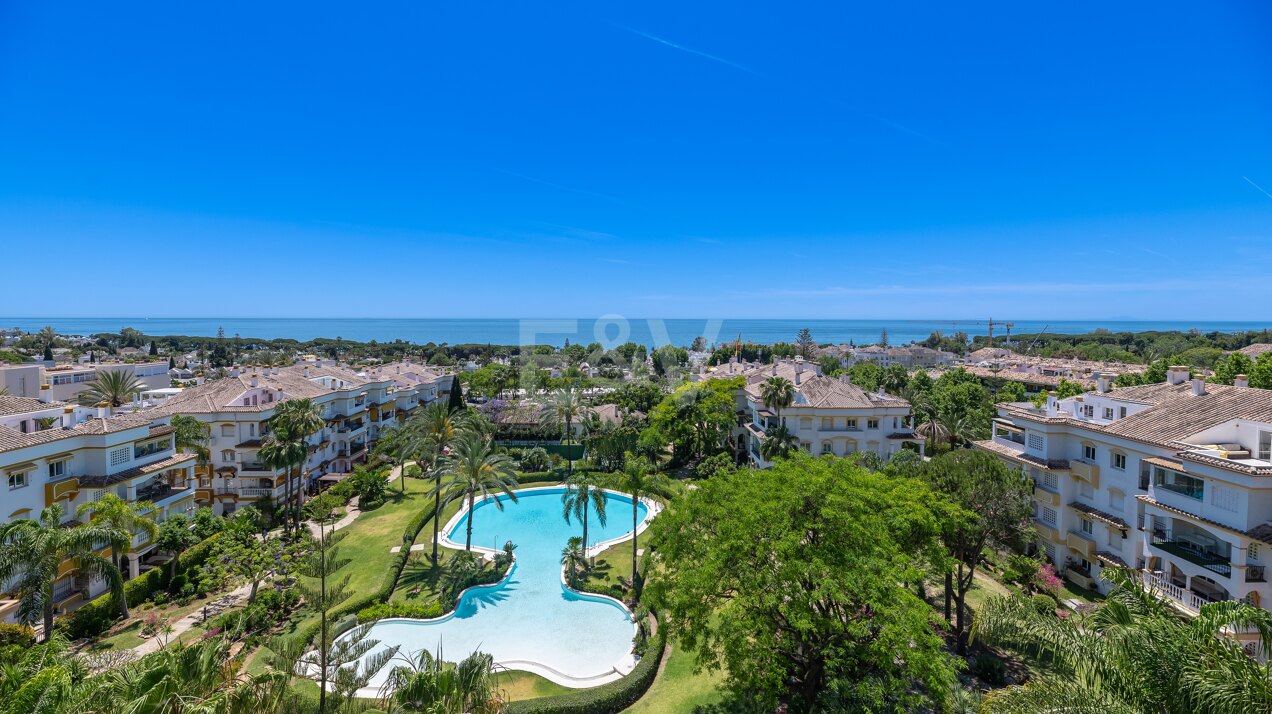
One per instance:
(530,620)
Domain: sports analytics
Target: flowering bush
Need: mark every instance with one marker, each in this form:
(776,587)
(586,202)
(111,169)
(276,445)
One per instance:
(1047,580)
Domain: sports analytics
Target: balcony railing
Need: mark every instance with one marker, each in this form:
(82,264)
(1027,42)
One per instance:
(254,466)
(1188,552)
(1255,574)
(140,452)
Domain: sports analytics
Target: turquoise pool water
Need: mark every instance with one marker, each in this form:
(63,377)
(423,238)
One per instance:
(530,620)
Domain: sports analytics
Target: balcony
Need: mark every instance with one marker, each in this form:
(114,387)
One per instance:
(1255,574)
(1085,470)
(1045,496)
(1082,543)
(158,447)
(1048,531)
(1079,577)
(255,466)
(1188,551)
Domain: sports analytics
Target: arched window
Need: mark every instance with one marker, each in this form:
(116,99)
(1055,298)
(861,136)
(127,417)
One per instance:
(227,455)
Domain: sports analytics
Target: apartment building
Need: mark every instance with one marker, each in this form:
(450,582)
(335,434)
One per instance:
(65,382)
(55,453)
(829,415)
(356,407)
(1172,479)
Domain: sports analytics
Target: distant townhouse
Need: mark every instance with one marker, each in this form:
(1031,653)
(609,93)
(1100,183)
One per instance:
(829,415)
(67,381)
(356,408)
(55,453)
(1171,479)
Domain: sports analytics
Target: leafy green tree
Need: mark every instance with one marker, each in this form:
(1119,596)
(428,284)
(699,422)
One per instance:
(193,437)
(1011,392)
(696,418)
(639,396)
(456,401)
(1066,389)
(32,553)
(1261,372)
(1133,655)
(830,365)
(115,387)
(293,423)
(867,375)
(475,469)
(804,343)
(988,510)
(1226,370)
(175,537)
(242,556)
(792,583)
(895,379)
(370,486)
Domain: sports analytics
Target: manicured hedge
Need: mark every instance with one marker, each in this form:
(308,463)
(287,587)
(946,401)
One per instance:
(554,477)
(97,616)
(418,611)
(605,699)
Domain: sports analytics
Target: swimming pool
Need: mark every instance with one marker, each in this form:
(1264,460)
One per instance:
(530,621)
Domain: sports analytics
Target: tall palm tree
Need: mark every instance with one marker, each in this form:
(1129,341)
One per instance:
(430,435)
(583,494)
(778,442)
(126,519)
(294,421)
(777,393)
(116,387)
(193,437)
(565,406)
(278,451)
(48,335)
(474,469)
(1133,654)
(32,553)
(638,479)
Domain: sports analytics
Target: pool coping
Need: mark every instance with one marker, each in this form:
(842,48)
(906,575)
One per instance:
(619,670)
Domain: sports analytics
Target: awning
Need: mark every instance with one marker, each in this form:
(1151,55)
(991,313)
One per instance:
(334,477)
(1165,463)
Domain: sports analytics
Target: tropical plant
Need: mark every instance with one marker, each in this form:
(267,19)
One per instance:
(427,684)
(582,494)
(318,567)
(175,536)
(1132,654)
(429,437)
(474,469)
(777,393)
(193,437)
(293,423)
(564,408)
(778,443)
(639,480)
(126,519)
(115,387)
(573,559)
(32,553)
(370,487)
(459,573)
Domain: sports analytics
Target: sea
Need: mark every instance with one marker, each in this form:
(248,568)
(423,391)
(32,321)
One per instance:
(609,330)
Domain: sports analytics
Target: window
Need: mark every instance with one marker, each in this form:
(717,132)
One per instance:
(1035,441)
(57,469)
(805,423)
(1048,516)
(18,480)
(1108,412)
(1121,412)
(1117,500)
(227,430)
(1265,445)
(1088,411)
(1114,539)
(826,447)
(828,423)
(852,423)
(1252,551)
(120,456)
(1179,483)
(1088,452)
(1119,461)
(872,423)
(227,455)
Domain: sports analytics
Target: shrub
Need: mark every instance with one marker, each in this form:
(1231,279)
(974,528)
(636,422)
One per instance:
(718,465)
(607,698)
(179,584)
(418,611)
(535,459)
(21,635)
(989,669)
(1044,604)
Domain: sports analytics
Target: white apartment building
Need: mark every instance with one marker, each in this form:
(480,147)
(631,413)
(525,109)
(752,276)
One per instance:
(55,453)
(356,406)
(1172,479)
(65,382)
(828,415)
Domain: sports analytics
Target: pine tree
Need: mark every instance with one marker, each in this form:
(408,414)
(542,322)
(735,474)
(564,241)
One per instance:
(456,396)
(883,337)
(48,353)
(154,349)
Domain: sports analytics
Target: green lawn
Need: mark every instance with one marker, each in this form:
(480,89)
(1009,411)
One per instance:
(524,685)
(678,688)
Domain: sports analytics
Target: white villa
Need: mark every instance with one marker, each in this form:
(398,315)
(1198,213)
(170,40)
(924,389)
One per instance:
(1172,479)
(65,382)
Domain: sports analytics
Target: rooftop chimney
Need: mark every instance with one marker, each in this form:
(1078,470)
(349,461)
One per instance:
(234,371)
(253,380)
(774,368)
(68,417)
(45,391)
(1102,382)
(1177,375)
(103,410)
(306,373)
(798,373)
(1241,381)
(1053,404)
(1198,386)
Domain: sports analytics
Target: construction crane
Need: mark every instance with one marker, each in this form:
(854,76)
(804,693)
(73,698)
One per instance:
(991,324)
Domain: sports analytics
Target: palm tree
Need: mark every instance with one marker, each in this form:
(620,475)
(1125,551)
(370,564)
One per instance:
(32,553)
(428,684)
(430,435)
(115,387)
(126,519)
(582,494)
(778,442)
(474,469)
(48,335)
(565,407)
(294,421)
(932,428)
(573,558)
(639,480)
(777,393)
(278,451)
(1133,654)
(193,437)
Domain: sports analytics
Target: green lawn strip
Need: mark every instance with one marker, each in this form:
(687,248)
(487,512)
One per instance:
(678,688)
(129,636)
(518,686)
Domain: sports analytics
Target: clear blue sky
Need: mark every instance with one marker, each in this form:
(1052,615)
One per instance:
(709,159)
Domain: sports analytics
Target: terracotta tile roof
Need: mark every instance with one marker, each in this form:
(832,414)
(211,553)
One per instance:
(1020,455)
(12,439)
(1164,463)
(1100,515)
(828,392)
(10,405)
(134,472)
(1256,349)
(220,395)
(1110,559)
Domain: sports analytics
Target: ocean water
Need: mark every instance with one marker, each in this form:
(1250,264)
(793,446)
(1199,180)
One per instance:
(610,330)
(531,616)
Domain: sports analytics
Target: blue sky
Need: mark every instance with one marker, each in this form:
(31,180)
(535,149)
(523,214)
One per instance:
(1059,160)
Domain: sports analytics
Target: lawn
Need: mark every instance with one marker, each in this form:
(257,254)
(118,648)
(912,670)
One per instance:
(678,688)
(524,685)
(128,635)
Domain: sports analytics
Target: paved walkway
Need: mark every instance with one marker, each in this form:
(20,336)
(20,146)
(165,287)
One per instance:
(240,593)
